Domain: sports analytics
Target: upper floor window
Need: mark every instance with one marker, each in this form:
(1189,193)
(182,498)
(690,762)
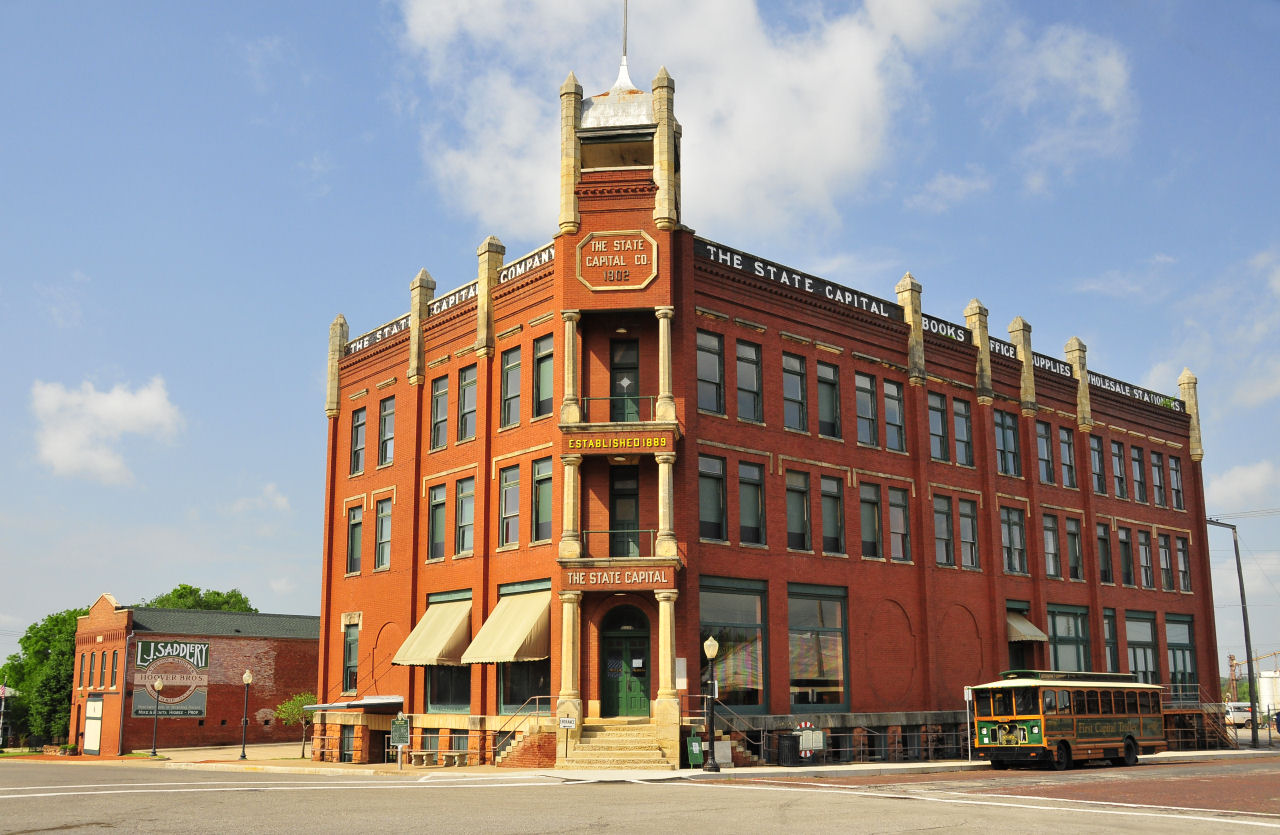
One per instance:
(1067,452)
(899,525)
(508,506)
(1175,482)
(1117,470)
(1104,555)
(711,502)
(1157,480)
(1052,552)
(350,656)
(1126,556)
(795,405)
(939,438)
(355,519)
(828,400)
(865,396)
(1166,562)
(967,513)
(798,511)
(750,503)
(510,387)
(357,441)
(1139,474)
(832,515)
(386,430)
(1012,540)
(964,432)
(943,542)
(382,534)
(464,517)
(1075,556)
(467,403)
(869,502)
(711,372)
(750,403)
(1044,451)
(542,500)
(1184,564)
(543,374)
(1097,463)
(439,412)
(1144,560)
(895,434)
(435,522)
(1008,460)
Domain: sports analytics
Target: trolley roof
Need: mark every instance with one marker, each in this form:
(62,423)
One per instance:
(1050,678)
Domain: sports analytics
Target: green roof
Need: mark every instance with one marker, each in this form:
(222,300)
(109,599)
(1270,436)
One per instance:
(227,624)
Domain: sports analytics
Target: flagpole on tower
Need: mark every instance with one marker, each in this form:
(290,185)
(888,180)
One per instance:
(624,29)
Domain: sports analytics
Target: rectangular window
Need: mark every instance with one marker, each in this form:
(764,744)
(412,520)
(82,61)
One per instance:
(448,691)
(435,522)
(1067,454)
(1139,474)
(350,656)
(1157,480)
(1144,560)
(1175,482)
(80,683)
(895,434)
(1069,638)
(544,369)
(832,515)
(102,671)
(1012,540)
(464,525)
(1140,635)
(828,400)
(1075,556)
(510,387)
(93,658)
(798,511)
(1008,460)
(865,396)
(939,439)
(943,543)
(750,402)
(899,526)
(816,634)
(967,512)
(624,380)
(1166,562)
(346,743)
(710,363)
(711,502)
(357,441)
(386,430)
(1104,555)
(115,661)
(1180,642)
(869,501)
(508,506)
(382,534)
(736,618)
(1184,565)
(520,681)
(467,403)
(795,407)
(1052,553)
(355,518)
(541,500)
(1097,464)
(1110,639)
(1126,556)
(1117,470)
(964,432)
(439,412)
(1044,451)
(750,503)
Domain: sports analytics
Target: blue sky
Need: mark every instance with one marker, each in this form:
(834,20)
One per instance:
(189,194)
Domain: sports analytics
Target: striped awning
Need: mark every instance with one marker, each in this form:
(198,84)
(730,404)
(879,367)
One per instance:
(440,636)
(518,629)
(1021,629)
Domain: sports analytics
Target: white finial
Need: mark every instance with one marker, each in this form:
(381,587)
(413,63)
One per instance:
(624,31)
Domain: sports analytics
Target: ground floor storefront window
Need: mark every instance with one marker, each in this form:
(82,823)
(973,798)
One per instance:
(816,619)
(448,689)
(523,680)
(732,612)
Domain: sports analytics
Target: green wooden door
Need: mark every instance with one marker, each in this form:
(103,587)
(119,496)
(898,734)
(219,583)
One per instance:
(624,680)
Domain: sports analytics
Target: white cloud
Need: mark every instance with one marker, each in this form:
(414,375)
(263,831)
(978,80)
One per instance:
(945,190)
(270,498)
(282,585)
(62,300)
(315,172)
(748,95)
(79,431)
(263,57)
(1246,487)
(1149,280)
(1266,265)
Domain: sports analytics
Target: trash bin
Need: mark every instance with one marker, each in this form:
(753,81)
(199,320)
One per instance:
(789,750)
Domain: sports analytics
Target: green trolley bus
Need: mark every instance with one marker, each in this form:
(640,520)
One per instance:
(1057,718)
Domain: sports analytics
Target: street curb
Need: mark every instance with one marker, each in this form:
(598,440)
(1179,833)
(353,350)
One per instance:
(277,769)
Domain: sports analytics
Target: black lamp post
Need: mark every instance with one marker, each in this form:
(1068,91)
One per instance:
(155,721)
(247,678)
(711,646)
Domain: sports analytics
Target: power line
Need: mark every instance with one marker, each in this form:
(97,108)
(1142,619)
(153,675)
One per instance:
(1247,514)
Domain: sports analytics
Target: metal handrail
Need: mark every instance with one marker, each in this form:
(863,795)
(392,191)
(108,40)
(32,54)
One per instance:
(650,534)
(649,399)
(519,714)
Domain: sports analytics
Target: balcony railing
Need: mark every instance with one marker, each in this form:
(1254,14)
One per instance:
(618,543)
(618,409)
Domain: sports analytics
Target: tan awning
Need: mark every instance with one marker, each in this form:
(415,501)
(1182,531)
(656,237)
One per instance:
(1021,629)
(519,629)
(439,638)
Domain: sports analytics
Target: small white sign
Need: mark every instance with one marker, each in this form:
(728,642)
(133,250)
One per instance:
(568,722)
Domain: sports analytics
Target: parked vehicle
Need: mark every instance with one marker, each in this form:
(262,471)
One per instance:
(1237,714)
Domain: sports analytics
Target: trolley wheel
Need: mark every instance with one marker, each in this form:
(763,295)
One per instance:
(1062,757)
(1130,752)
(999,765)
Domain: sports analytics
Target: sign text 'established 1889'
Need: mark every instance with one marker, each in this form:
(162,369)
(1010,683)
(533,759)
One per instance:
(617,260)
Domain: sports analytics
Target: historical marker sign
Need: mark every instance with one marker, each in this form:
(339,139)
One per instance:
(617,260)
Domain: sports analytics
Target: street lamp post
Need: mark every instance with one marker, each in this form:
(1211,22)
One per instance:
(247,678)
(155,714)
(1248,640)
(711,646)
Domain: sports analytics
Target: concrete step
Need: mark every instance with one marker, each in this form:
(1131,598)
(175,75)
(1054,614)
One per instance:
(614,753)
(617,744)
(592,763)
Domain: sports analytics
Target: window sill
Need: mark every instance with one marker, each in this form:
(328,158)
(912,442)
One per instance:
(873,559)
(351,574)
(795,431)
(347,693)
(902,562)
(508,428)
(540,418)
(838,555)
(939,460)
(464,555)
(440,448)
(705,541)
(835,438)
(709,413)
(949,566)
(462,441)
(897,451)
(431,560)
(759,546)
(977,569)
(384,466)
(513,546)
(1016,573)
(356,473)
(751,421)
(383,570)
(538,542)
(865,445)
(809,552)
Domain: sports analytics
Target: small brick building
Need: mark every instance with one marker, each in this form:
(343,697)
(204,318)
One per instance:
(200,658)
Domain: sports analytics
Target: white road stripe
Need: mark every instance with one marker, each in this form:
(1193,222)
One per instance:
(274,788)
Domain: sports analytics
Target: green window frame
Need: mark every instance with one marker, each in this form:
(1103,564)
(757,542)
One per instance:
(1117,470)
(963,425)
(1140,637)
(382,534)
(464,516)
(832,494)
(1144,560)
(1124,538)
(750,392)
(751,516)
(467,403)
(733,611)
(542,501)
(1158,495)
(1175,482)
(1138,460)
(1008,456)
(1104,555)
(943,536)
(864,389)
(795,403)
(1052,549)
(1067,454)
(436,522)
(508,506)
(710,368)
(895,431)
(899,525)
(510,415)
(350,657)
(386,431)
(828,400)
(1098,465)
(357,441)
(543,375)
(439,412)
(967,513)
(1166,561)
(817,643)
(1044,451)
(1184,564)
(1013,539)
(939,438)
(798,529)
(355,521)
(1069,639)
(712,521)
(869,517)
(1075,553)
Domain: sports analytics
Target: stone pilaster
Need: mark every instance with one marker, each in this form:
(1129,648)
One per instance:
(666,541)
(570,154)
(908,290)
(569,702)
(666,144)
(666,407)
(1076,351)
(421,291)
(975,319)
(490,254)
(1187,386)
(338,336)
(570,409)
(1020,336)
(570,532)
(666,708)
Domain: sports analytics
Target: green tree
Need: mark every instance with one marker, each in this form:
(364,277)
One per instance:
(42,673)
(191,597)
(290,712)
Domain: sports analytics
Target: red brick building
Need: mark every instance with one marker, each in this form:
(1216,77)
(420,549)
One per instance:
(547,487)
(200,659)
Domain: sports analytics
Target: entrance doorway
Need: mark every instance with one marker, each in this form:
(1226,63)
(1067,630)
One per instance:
(93,725)
(624,380)
(624,663)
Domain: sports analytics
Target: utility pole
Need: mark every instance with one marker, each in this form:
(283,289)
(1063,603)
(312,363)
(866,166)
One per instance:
(1248,640)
